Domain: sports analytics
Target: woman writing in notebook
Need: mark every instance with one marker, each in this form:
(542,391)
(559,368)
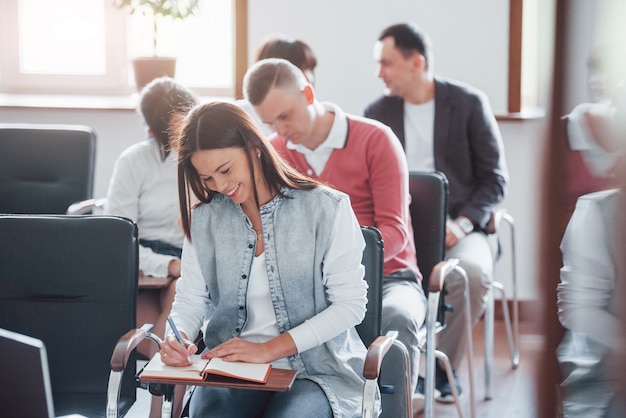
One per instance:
(277,257)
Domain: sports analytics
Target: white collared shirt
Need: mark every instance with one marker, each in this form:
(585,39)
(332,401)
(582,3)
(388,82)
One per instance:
(336,139)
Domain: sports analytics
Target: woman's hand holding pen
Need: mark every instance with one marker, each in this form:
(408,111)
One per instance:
(174,354)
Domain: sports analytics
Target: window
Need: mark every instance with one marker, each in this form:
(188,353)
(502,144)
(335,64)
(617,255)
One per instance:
(86,46)
(526,53)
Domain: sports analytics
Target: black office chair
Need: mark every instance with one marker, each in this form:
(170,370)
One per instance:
(382,350)
(71,281)
(429,208)
(45,168)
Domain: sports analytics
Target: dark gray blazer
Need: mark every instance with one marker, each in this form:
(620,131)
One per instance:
(467,145)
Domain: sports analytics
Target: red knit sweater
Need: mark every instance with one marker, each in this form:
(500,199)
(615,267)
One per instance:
(372,170)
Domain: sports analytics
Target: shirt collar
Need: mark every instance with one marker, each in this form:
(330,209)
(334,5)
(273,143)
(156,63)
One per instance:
(336,137)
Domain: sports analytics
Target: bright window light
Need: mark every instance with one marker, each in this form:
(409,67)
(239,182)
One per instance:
(72,43)
(87,46)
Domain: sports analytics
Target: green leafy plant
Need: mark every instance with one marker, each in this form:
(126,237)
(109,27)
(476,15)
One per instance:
(172,9)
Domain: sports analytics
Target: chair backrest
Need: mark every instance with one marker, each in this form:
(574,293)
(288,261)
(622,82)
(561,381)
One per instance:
(373,259)
(45,168)
(429,209)
(71,281)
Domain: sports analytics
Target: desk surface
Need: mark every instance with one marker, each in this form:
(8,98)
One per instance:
(151,282)
(279,380)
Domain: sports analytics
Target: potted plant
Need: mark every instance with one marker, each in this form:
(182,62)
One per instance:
(148,68)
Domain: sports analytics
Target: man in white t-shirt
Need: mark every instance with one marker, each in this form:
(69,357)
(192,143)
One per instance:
(447,126)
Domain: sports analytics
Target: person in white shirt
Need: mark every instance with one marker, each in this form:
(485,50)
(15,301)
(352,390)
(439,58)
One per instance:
(587,305)
(144,189)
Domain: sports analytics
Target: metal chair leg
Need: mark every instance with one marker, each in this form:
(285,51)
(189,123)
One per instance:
(431,352)
(470,343)
(429,378)
(511,337)
(515,358)
(489,337)
(512,329)
(407,367)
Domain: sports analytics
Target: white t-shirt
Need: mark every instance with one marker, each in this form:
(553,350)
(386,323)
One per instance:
(261,325)
(419,126)
(144,189)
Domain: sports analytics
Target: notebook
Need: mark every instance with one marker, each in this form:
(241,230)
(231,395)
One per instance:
(24,377)
(200,368)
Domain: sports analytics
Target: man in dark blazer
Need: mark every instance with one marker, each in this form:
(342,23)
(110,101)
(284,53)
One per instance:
(447,126)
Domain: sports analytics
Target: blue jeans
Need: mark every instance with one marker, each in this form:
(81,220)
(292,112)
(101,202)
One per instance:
(305,400)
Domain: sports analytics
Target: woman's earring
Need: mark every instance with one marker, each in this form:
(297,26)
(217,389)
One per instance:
(259,155)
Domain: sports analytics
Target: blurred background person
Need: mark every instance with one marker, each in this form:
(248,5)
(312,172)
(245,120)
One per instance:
(144,188)
(589,290)
(592,149)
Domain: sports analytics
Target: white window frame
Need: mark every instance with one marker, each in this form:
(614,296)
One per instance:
(12,80)
(116,81)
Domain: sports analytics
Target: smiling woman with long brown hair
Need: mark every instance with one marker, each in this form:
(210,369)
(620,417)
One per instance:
(277,257)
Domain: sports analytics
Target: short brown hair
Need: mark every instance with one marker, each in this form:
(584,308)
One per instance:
(266,74)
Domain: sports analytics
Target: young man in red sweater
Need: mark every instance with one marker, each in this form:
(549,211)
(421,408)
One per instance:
(360,157)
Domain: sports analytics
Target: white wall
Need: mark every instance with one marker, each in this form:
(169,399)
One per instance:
(470,38)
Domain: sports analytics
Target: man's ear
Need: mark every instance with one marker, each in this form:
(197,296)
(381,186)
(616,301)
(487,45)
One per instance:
(309,94)
(419,62)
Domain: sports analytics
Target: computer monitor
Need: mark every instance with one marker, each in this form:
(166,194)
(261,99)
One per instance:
(24,377)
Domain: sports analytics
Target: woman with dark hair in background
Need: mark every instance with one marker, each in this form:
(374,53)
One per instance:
(293,50)
(143,188)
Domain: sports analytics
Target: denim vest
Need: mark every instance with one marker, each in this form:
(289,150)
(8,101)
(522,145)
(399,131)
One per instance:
(296,232)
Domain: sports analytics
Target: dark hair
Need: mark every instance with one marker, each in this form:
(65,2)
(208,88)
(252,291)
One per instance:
(293,50)
(218,125)
(409,38)
(266,74)
(158,100)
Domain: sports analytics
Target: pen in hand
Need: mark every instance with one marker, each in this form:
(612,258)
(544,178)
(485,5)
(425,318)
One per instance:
(177,334)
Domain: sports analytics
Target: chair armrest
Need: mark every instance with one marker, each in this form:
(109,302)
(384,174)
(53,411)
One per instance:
(124,347)
(494,222)
(127,343)
(85,206)
(375,354)
(439,273)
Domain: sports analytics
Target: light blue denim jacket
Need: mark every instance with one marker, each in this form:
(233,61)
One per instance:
(297,231)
